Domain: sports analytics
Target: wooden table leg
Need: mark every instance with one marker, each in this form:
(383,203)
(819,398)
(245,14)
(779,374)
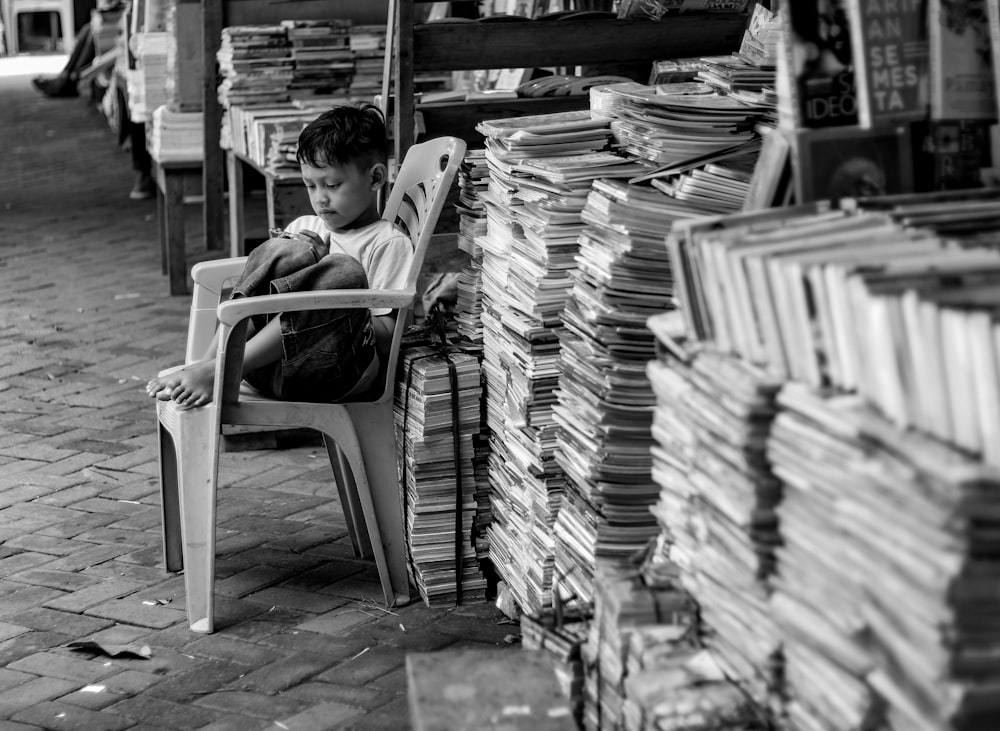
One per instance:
(161,226)
(234,169)
(175,235)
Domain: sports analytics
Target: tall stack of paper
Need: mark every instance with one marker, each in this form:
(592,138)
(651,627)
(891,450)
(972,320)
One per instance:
(256,65)
(147,82)
(605,402)
(717,501)
(473,179)
(886,592)
(561,634)
(176,136)
(525,255)
(624,606)
(437,413)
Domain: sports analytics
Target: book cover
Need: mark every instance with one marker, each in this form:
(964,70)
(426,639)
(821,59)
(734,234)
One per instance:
(891,68)
(849,162)
(815,79)
(960,67)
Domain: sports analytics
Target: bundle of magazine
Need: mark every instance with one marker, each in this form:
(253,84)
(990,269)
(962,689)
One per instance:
(717,500)
(886,589)
(604,409)
(437,414)
(526,252)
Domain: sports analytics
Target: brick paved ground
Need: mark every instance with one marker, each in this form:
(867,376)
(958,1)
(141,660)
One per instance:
(84,321)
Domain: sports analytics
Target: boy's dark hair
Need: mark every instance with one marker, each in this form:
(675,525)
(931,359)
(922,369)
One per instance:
(345,135)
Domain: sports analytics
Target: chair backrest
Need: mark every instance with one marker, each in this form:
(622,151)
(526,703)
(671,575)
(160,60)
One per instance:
(414,203)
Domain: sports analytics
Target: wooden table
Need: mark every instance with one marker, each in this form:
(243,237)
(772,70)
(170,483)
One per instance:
(287,199)
(174,180)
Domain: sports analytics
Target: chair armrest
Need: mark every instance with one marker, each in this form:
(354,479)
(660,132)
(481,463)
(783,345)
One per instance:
(232,311)
(213,273)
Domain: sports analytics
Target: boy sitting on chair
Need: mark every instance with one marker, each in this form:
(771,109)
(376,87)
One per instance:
(322,355)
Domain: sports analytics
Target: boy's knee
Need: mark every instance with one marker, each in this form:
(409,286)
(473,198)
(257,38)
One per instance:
(350,273)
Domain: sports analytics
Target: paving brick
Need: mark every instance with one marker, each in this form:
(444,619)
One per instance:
(26,599)
(92,697)
(130,611)
(13,495)
(324,717)
(12,678)
(306,601)
(252,580)
(98,591)
(27,695)
(393,716)
(206,676)
(62,580)
(30,642)
(57,716)
(8,630)
(48,545)
(88,559)
(22,561)
(246,703)
(357,696)
(45,620)
(220,647)
(73,527)
(130,682)
(365,668)
(277,676)
(62,665)
(115,536)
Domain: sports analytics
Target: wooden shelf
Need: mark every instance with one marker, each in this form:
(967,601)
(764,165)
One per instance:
(530,43)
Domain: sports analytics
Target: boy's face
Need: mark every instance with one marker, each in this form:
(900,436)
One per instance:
(344,196)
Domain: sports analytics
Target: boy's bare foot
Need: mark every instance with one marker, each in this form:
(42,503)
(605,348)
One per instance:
(188,386)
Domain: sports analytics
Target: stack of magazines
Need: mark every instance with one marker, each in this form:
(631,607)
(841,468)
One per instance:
(717,501)
(889,601)
(176,136)
(323,62)
(255,64)
(605,402)
(523,286)
(437,414)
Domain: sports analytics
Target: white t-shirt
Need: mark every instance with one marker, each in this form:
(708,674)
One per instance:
(383,249)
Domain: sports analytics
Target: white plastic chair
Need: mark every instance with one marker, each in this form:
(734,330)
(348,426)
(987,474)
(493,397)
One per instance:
(359,436)
(14,8)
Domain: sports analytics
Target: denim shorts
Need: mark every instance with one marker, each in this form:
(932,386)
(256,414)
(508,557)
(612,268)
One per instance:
(325,353)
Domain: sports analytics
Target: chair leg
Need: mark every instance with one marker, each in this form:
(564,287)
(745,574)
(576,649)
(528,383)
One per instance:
(376,434)
(196,439)
(170,509)
(348,490)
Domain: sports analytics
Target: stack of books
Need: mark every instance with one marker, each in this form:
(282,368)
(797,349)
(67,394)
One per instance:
(623,606)
(255,64)
(437,413)
(523,285)
(176,136)
(860,302)
(473,179)
(718,498)
(252,131)
(890,585)
(323,62)
(368,46)
(147,82)
(605,402)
